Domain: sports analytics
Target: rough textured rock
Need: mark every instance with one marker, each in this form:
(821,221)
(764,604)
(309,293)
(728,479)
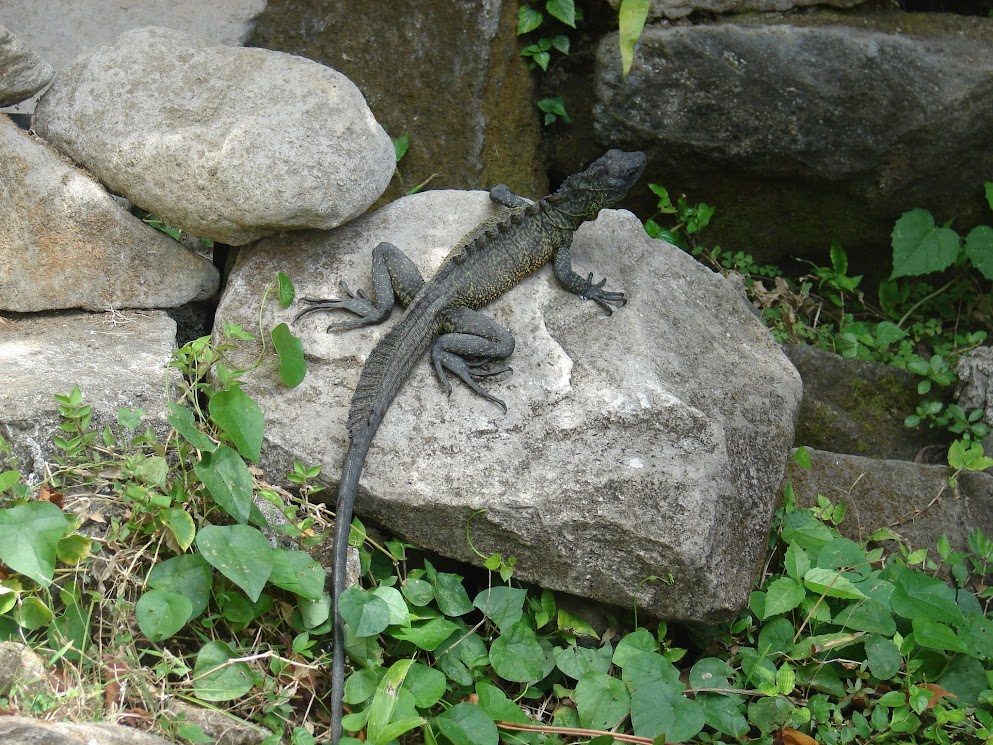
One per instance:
(226,143)
(116,359)
(681,8)
(648,443)
(26,731)
(857,407)
(912,500)
(65,242)
(22,672)
(810,127)
(975,371)
(462,92)
(61,30)
(22,72)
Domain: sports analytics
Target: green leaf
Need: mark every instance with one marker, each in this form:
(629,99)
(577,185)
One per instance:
(528,19)
(228,480)
(921,248)
(936,635)
(564,10)
(452,598)
(188,575)
(916,595)
(8,479)
(988,189)
(419,592)
(504,606)
(365,613)
(427,635)
(866,615)
(634,644)
(33,614)
(602,701)
(631,18)
(883,656)
(888,333)
(73,549)
(384,704)
(516,655)
(723,713)
(832,583)
(645,668)
(286,289)
(400,145)
(426,684)
(29,539)
(806,531)
(215,679)
(152,471)
(576,661)
(180,524)
(182,421)
(979,249)
(497,706)
(161,614)
(289,348)
(658,709)
(240,553)
(966,678)
(968,456)
(467,724)
(399,613)
(796,562)
(240,418)
(297,572)
(783,595)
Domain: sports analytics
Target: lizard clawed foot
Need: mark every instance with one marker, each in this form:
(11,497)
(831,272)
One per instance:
(356,302)
(604,298)
(466,373)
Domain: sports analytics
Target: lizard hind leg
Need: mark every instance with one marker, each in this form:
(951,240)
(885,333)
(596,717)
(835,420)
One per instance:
(394,277)
(471,336)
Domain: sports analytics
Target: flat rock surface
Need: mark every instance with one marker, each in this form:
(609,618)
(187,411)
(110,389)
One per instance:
(116,359)
(65,242)
(22,72)
(648,443)
(224,142)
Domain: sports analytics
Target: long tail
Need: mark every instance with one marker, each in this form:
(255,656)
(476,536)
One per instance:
(388,366)
(354,460)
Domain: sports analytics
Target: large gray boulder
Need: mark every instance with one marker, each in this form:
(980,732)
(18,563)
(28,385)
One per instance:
(117,360)
(810,127)
(65,242)
(22,72)
(61,31)
(224,142)
(650,443)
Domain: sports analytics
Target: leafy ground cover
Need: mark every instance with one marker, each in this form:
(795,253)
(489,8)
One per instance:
(143,570)
(935,305)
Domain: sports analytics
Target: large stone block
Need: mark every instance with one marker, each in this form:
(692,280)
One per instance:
(649,443)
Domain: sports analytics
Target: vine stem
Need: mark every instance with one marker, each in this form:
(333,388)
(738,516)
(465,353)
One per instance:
(924,299)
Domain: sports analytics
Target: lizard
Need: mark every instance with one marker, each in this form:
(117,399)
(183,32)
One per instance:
(442,314)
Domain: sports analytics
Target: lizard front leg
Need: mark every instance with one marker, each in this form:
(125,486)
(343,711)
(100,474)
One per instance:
(394,277)
(501,194)
(585,288)
(471,334)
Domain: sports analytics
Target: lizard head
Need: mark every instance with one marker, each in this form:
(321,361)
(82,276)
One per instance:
(607,179)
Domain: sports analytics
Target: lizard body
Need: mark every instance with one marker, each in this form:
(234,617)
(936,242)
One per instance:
(442,315)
